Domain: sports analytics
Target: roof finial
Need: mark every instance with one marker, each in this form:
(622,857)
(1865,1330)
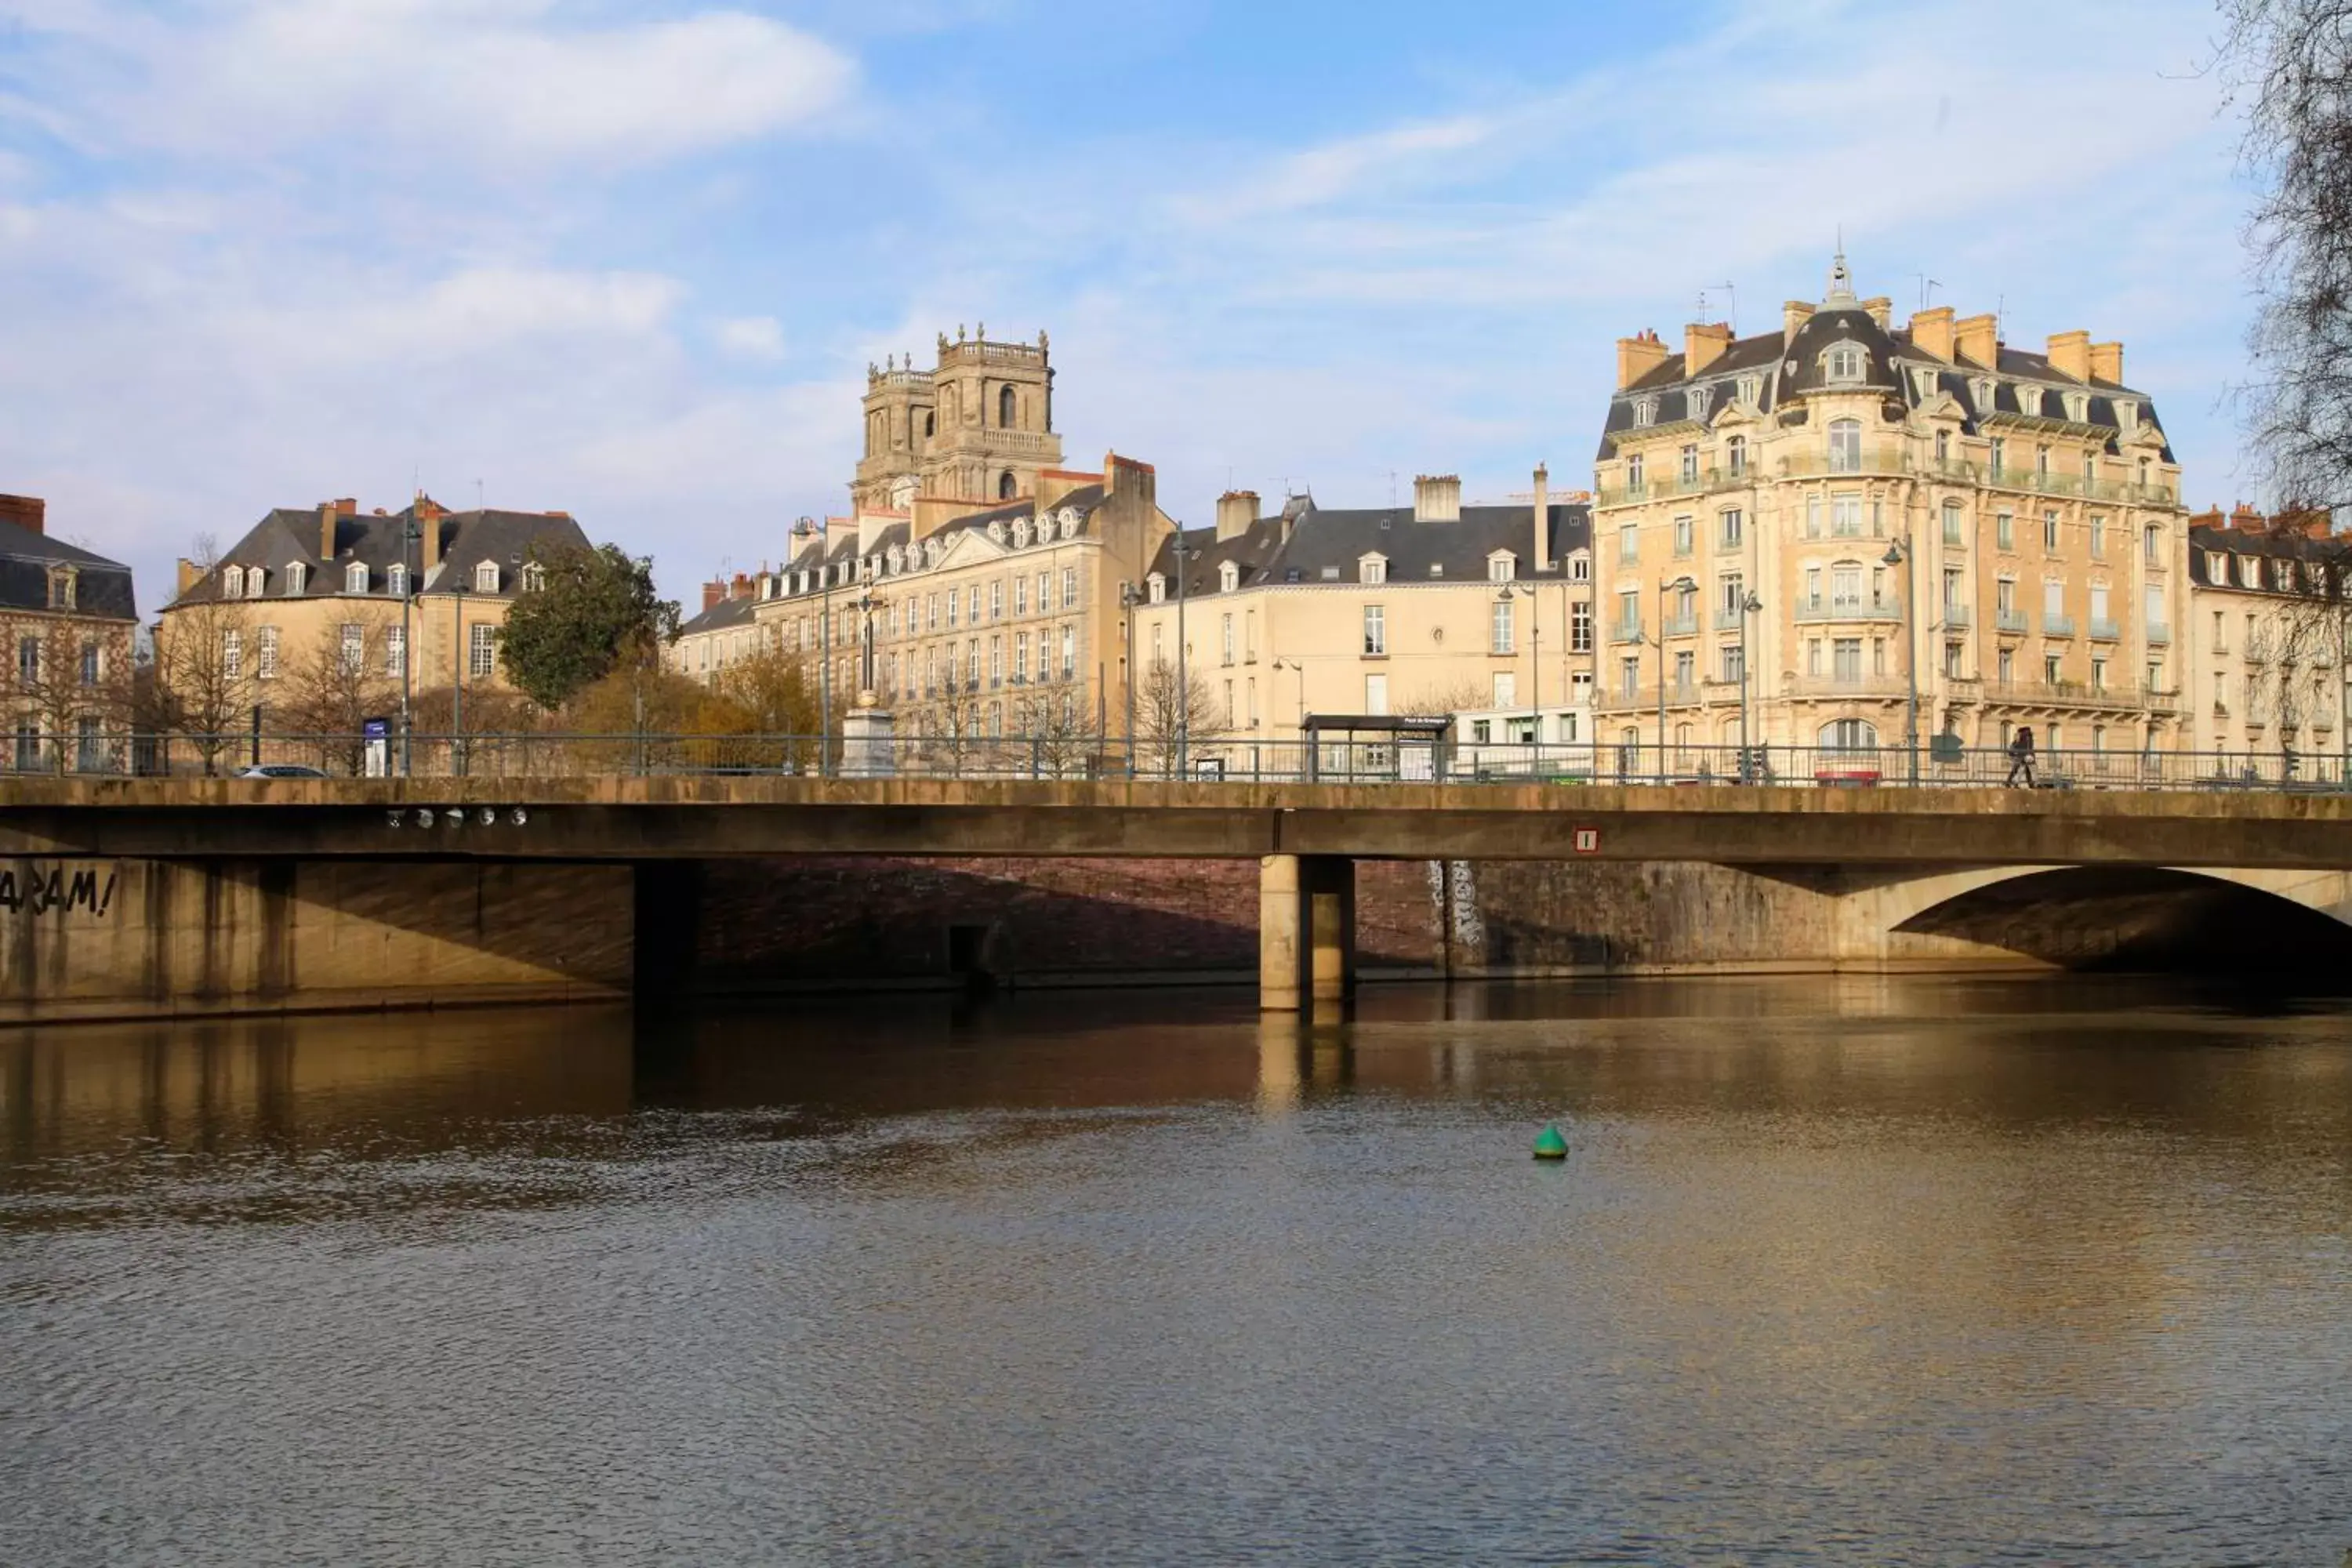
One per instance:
(1840,290)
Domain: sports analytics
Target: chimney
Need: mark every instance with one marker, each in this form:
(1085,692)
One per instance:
(1236,510)
(1542,518)
(1882,310)
(1979,338)
(2070,354)
(2108,364)
(714,594)
(740,588)
(328,510)
(2245,518)
(428,514)
(1931,333)
(27,513)
(189,575)
(1794,314)
(1637,356)
(1703,346)
(1436,498)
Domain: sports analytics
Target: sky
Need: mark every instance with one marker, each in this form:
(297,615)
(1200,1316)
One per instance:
(630,259)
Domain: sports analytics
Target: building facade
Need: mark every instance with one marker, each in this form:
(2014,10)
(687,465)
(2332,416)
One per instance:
(2265,646)
(1832,515)
(72,619)
(1431,609)
(420,594)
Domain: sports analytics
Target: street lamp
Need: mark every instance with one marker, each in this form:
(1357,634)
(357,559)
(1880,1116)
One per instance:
(1748,605)
(1535,641)
(1128,600)
(1899,554)
(1183,555)
(1683,584)
(409,535)
(804,530)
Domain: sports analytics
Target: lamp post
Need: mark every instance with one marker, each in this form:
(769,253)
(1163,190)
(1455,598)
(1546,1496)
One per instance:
(1748,605)
(1899,553)
(1680,585)
(457,674)
(1184,555)
(1535,641)
(409,535)
(1128,600)
(804,530)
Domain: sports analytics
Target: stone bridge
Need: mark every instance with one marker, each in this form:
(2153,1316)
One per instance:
(217,893)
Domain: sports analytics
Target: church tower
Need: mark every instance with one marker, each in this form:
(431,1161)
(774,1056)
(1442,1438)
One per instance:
(900,423)
(994,407)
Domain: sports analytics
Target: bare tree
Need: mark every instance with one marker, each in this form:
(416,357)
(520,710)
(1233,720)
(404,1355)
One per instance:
(1058,724)
(1169,711)
(1443,700)
(74,684)
(338,684)
(206,656)
(2291,62)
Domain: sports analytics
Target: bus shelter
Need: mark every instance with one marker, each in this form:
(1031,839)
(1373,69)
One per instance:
(1375,748)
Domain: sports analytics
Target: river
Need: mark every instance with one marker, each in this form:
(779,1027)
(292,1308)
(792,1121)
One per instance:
(1837,1271)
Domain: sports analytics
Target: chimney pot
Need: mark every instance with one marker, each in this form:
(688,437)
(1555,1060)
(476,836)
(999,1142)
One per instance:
(1236,510)
(1704,344)
(714,594)
(1979,338)
(1637,356)
(2108,364)
(2070,354)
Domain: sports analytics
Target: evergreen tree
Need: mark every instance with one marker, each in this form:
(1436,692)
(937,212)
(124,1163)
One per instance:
(596,612)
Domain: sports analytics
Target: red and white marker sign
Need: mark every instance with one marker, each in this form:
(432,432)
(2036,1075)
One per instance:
(1588,841)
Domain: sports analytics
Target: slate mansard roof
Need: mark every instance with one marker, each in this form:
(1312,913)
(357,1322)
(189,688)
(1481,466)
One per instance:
(101,587)
(288,535)
(837,547)
(1324,546)
(1786,367)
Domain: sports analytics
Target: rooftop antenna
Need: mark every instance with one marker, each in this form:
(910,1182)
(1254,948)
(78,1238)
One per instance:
(477,495)
(1391,487)
(1734,313)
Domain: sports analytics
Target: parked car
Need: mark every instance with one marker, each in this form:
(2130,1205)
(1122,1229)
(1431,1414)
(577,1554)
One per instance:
(282,771)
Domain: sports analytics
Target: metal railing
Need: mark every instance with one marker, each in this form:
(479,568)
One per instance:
(1942,761)
(1845,607)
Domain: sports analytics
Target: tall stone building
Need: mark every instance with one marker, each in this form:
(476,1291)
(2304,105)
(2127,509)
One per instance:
(1796,480)
(71,618)
(2265,644)
(1430,609)
(978,427)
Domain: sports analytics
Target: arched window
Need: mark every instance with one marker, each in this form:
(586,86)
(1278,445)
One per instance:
(233,582)
(298,577)
(1849,735)
(931,425)
(534,577)
(395,581)
(1004,485)
(1735,452)
(486,577)
(1005,408)
(356,578)
(1846,446)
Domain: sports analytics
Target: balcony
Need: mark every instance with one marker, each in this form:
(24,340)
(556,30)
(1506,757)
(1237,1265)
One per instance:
(1957,616)
(2009,620)
(2158,634)
(1626,631)
(2074,694)
(2104,629)
(1705,482)
(1817,465)
(1857,685)
(1681,625)
(2057,626)
(1727,617)
(1846,608)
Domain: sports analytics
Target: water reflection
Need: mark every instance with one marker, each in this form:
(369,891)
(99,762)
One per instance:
(1861,1271)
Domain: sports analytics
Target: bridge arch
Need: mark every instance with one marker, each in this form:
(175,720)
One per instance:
(2208,919)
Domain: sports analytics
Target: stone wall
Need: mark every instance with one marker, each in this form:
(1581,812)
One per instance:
(141,938)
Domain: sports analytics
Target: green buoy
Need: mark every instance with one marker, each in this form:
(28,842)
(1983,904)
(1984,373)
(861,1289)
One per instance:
(1550,1145)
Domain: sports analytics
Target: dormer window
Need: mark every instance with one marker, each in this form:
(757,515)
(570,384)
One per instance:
(1923,382)
(356,578)
(1579,568)
(1372,569)
(534,577)
(2127,415)
(1844,363)
(1229,577)
(1700,398)
(1021,533)
(395,581)
(486,577)
(233,582)
(61,588)
(1646,411)
(997,532)
(1502,567)
(298,577)
(1751,388)
(1980,394)
(2217,568)
(1155,589)
(2078,406)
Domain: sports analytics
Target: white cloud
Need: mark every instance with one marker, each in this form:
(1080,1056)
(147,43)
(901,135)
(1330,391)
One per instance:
(750,338)
(486,81)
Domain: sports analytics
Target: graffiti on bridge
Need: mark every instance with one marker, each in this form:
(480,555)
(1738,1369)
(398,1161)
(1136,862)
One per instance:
(30,890)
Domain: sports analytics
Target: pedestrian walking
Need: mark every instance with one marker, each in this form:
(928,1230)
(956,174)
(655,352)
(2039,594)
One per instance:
(2021,756)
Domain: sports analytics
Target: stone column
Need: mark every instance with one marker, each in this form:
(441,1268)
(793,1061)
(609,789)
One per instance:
(869,748)
(1306,930)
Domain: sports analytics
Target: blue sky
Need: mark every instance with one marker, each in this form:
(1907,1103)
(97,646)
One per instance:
(631,258)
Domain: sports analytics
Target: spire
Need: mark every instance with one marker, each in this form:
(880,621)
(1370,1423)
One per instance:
(1841,280)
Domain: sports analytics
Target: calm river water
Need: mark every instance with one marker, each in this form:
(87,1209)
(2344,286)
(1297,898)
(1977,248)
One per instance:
(1869,1272)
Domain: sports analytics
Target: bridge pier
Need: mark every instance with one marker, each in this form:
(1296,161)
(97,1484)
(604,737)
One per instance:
(1306,931)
